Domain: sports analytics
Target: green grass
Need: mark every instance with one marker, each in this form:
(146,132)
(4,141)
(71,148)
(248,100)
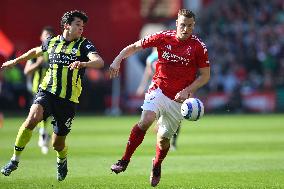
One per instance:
(217,152)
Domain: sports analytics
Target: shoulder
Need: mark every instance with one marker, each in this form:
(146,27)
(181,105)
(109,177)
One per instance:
(47,40)
(167,33)
(159,34)
(87,45)
(46,43)
(199,44)
(85,42)
(51,39)
(198,41)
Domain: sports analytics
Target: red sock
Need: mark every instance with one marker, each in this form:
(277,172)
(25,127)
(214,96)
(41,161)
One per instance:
(160,155)
(135,139)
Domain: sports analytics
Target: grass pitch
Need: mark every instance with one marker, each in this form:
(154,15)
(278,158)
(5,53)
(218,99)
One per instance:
(216,152)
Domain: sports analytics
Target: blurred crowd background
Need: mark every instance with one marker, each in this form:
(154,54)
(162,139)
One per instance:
(245,41)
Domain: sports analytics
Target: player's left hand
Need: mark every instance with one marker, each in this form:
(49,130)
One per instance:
(76,65)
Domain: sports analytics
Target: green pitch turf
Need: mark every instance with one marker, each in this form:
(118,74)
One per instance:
(216,152)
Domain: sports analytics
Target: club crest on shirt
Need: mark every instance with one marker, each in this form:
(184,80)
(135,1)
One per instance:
(169,47)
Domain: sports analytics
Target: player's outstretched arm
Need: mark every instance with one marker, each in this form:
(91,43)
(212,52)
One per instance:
(33,53)
(126,52)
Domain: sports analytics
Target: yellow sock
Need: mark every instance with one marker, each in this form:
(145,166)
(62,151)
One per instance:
(61,156)
(23,137)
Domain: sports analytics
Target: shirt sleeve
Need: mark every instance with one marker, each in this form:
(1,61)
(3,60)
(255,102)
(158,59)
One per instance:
(44,45)
(87,47)
(152,40)
(202,56)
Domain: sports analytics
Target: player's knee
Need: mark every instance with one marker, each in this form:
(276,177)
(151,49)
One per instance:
(32,121)
(146,121)
(145,124)
(34,117)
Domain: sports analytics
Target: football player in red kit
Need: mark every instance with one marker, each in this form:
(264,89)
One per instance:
(182,68)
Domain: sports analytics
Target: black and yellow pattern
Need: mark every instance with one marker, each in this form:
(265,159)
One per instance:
(38,76)
(59,79)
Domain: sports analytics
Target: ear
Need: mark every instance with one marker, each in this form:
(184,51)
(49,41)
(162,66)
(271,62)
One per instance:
(176,23)
(66,26)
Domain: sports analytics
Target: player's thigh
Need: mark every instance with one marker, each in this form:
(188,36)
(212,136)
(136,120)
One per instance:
(169,122)
(42,102)
(153,106)
(147,118)
(63,115)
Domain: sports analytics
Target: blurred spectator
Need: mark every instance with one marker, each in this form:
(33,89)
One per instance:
(14,94)
(246,42)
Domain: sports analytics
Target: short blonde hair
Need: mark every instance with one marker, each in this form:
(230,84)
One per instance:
(186,13)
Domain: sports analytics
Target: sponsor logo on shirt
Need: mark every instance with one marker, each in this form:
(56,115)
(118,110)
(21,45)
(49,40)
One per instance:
(61,58)
(88,46)
(175,58)
(188,50)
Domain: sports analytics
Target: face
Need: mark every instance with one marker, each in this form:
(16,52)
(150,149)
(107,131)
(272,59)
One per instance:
(76,28)
(185,27)
(44,35)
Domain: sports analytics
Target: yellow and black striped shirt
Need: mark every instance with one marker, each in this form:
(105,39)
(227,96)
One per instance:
(59,79)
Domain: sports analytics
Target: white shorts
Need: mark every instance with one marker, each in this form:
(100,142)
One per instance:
(167,112)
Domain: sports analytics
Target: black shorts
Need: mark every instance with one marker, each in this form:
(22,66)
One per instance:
(62,110)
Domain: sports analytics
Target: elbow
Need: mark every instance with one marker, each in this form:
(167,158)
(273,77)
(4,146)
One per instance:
(98,62)
(26,72)
(101,63)
(206,78)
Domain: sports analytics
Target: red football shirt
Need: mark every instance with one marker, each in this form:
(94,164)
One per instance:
(178,61)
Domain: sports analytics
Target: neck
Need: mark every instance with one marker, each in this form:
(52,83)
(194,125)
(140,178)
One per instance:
(181,39)
(67,36)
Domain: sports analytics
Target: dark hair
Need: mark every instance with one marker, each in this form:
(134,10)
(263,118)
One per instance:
(186,13)
(68,17)
(49,29)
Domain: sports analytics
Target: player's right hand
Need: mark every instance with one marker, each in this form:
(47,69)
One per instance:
(8,64)
(114,70)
